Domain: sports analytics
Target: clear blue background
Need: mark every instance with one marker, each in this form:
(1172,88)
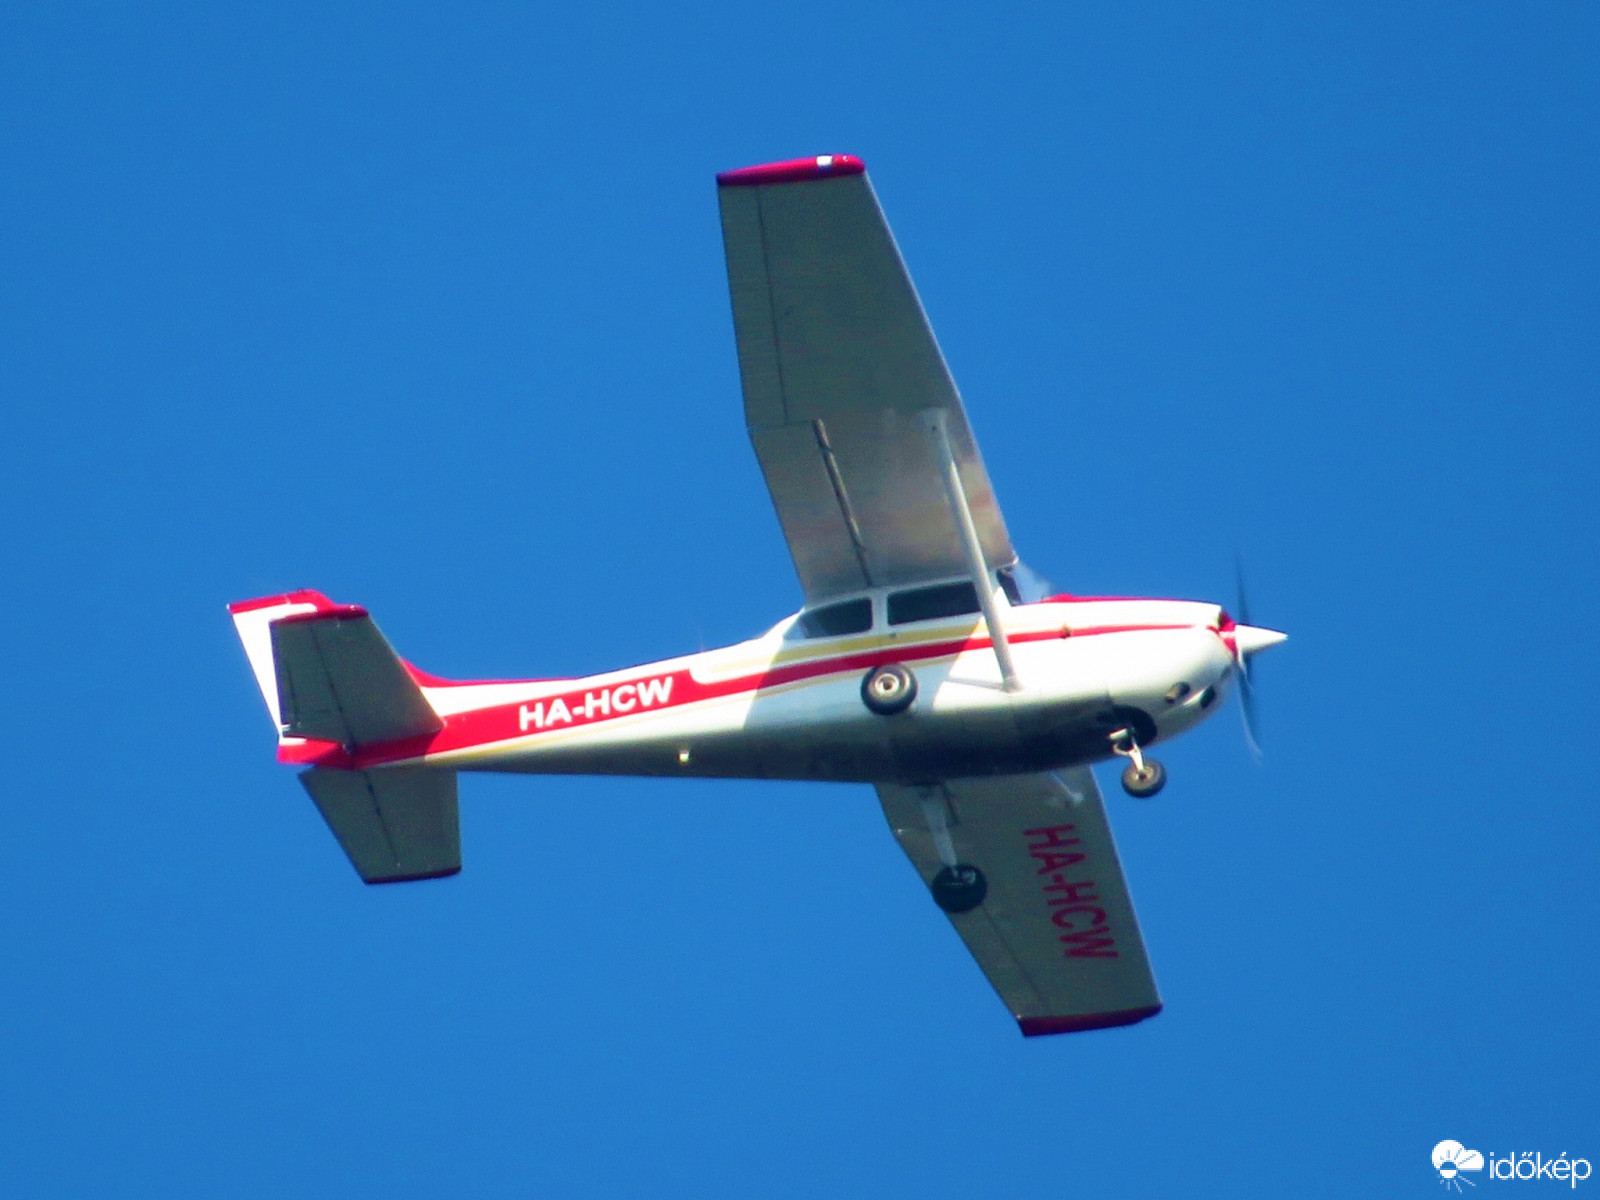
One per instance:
(424,307)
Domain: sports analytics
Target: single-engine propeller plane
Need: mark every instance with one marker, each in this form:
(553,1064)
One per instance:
(916,665)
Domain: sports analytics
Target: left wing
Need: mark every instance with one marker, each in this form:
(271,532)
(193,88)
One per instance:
(838,362)
(1055,934)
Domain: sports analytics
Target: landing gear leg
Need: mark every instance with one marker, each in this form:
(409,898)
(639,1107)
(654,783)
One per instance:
(958,887)
(1142,777)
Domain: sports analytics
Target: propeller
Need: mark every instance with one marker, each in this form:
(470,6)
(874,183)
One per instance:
(1248,639)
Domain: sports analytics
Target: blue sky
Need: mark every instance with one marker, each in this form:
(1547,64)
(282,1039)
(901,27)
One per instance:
(425,308)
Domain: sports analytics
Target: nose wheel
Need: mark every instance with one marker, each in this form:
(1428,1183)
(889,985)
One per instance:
(1142,777)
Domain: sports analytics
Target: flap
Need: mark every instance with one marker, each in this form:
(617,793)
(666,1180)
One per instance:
(395,824)
(1055,933)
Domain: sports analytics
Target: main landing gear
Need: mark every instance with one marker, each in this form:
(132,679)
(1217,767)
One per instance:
(960,888)
(1142,777)
(888,689)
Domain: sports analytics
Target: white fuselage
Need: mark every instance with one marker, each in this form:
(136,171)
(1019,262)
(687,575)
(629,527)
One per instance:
(783,706)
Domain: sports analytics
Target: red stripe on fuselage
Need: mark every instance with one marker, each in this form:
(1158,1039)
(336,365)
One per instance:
(505,723)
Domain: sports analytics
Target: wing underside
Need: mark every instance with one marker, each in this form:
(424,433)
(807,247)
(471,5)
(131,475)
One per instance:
(837,362)
(1056,933)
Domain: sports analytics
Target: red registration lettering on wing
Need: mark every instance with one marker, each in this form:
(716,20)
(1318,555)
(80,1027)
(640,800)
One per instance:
(1072,902)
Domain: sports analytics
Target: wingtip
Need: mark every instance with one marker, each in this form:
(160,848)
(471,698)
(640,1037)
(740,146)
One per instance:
(794,170)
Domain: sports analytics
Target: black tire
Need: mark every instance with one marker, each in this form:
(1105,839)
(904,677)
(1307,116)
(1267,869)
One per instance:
(1146,785)
(888,689)
(960,888)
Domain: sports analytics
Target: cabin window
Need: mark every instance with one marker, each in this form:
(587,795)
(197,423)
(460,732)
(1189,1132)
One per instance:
(835,620)
(1008,585)
(930,603)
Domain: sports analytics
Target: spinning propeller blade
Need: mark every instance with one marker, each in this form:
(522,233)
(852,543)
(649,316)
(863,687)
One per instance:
(1248,639)
(1247,712)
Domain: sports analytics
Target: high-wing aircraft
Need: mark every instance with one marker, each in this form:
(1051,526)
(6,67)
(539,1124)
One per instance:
(916,664)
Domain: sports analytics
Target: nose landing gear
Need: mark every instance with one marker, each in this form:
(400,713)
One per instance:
(1142,777)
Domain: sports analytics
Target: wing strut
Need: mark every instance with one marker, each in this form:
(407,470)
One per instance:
(935,811)
(934,420)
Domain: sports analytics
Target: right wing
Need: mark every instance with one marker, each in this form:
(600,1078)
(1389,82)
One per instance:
(1055,934)
(837,361)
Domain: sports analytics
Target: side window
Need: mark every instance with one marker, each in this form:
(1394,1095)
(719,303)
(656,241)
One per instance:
(926,604)
(1008,585)
(834,620)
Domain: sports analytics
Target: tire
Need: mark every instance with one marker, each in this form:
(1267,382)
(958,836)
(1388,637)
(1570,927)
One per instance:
(960,888)
(888,689)
(1144,786)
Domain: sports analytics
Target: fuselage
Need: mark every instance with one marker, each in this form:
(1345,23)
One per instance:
(788,704)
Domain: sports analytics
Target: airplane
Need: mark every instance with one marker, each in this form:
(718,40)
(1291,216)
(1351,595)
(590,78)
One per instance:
(916,664)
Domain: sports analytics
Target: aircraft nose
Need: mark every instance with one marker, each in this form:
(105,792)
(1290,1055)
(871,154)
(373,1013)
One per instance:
(1251,638)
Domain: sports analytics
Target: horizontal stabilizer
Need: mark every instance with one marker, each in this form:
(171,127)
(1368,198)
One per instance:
(396,824)
(340,681)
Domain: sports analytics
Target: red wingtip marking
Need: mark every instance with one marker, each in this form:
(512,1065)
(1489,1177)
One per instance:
(332,612)
(304,596)
(1042,1026)
(795,170)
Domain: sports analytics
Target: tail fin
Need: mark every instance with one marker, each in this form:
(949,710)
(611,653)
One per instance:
(328,675)
(326,672)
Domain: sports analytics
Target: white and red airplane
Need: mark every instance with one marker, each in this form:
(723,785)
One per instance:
(916,664)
